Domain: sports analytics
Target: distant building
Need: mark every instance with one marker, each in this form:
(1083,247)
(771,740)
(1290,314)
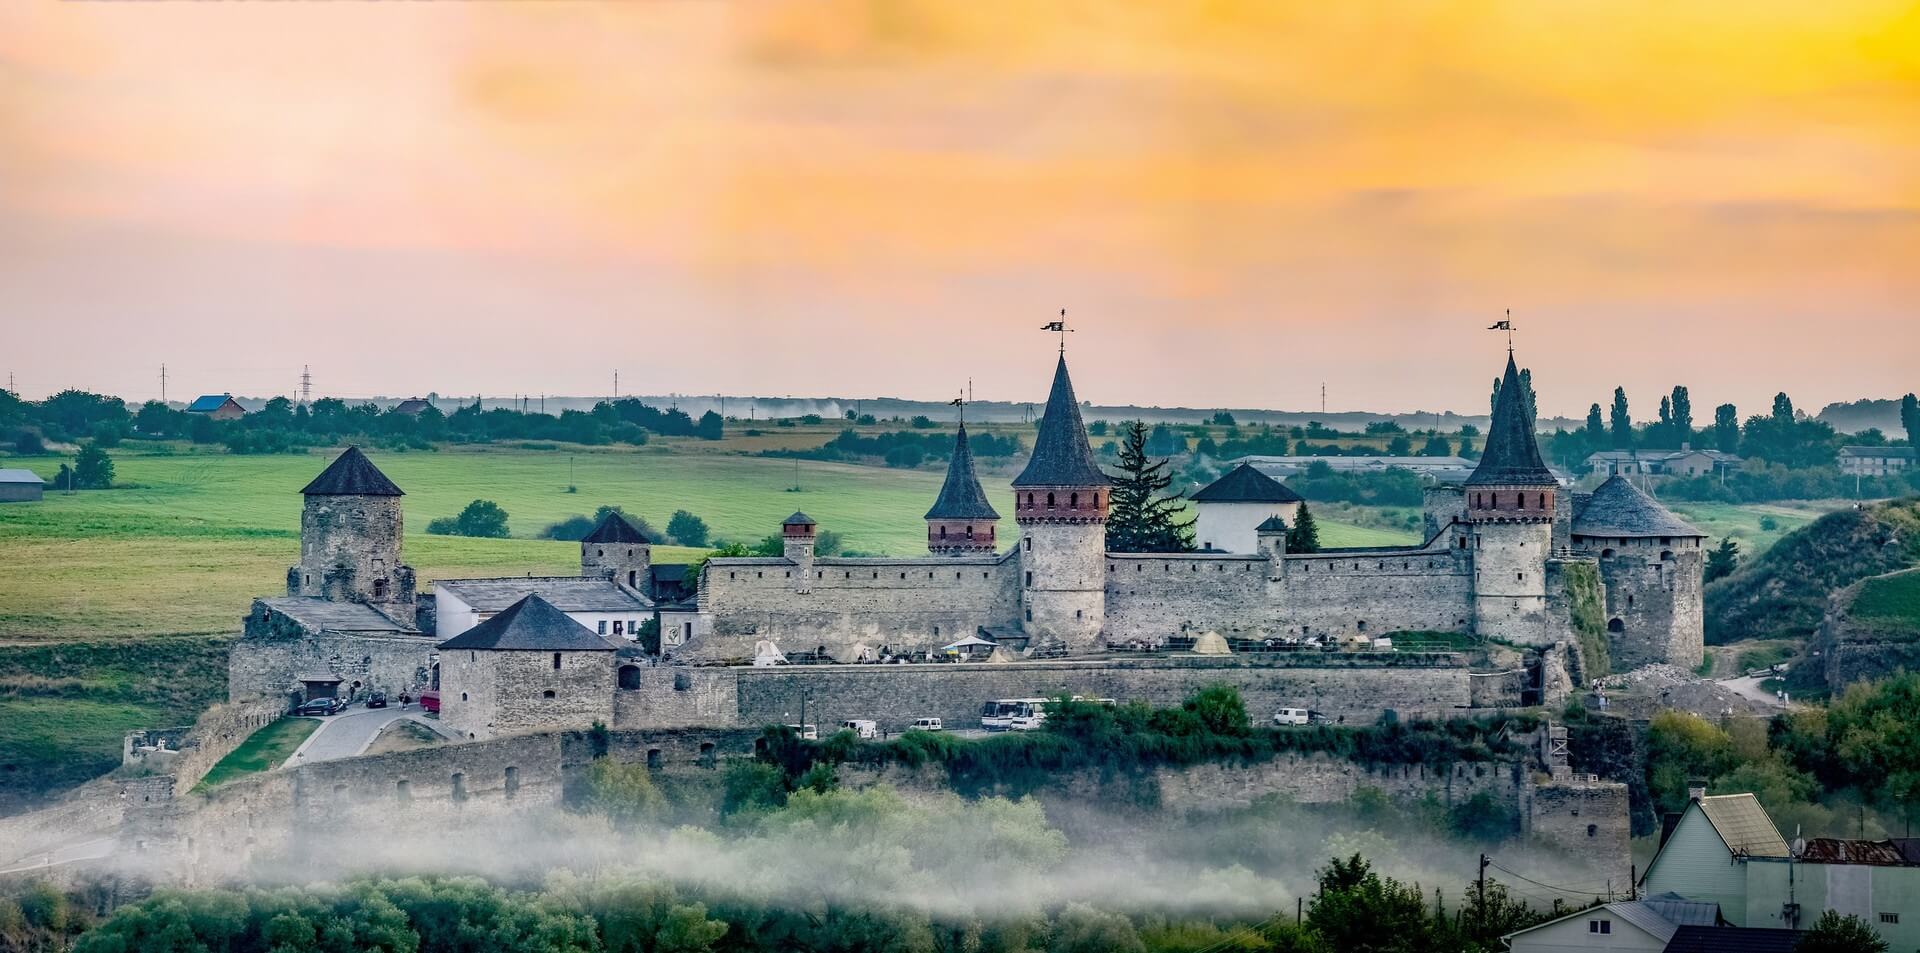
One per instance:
(1685,462)
(217,406)
(530,667)
(1876,461)
(1229,511)
(1706,849)
(20,486)
(1646,926)
(412,406)
(1442,469)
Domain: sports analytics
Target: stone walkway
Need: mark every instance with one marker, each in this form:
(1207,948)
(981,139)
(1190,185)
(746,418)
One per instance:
(347,734)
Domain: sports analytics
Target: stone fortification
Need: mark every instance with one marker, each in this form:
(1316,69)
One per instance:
(1654,609)
(277,648)
(1356,688)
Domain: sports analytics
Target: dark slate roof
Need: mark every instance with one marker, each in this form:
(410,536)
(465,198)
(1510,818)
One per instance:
(352,474)
(1061,454)
(566,593)
(961,497)
(1618,508)
(668,572)
(530,625)
(1272,524)
(1695,939)
(1512,455)
(1245,484)
(324,615)
(208,403)
(1869,853)
(614,528)
(799,519)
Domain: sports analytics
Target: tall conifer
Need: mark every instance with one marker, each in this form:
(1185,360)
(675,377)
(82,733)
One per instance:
(1141,519)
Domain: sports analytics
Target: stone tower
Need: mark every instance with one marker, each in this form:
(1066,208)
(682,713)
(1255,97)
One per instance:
(797,538)
(350,538)
(1652,564)
(615,550)
(1510,508)
(1060,503)
(961,521)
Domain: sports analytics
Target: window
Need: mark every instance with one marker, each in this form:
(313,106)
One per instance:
(1543,501)
(1889,918)
(1079,614)
(513,782)
(379,588)
(603,631)
(402,791)
(1073,500)
(1602,927)
(547,694)
(1049,501)
(1029,615)
(556,666)
(619,628)
(1029,544)
(1593,830)
(1029,580)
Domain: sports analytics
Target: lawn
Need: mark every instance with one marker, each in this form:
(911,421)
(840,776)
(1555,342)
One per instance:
(1894,598)
(262,751)
(194,535)
(1747,523)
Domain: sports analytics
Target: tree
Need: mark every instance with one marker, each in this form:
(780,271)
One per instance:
(687,529)
(1782,407)
(711,426)
(1722,560)
(93,469)
(1682,414)
(1596,428)
(482,518)
(1437,447)
(1399,446)
(1833,933)
(1621,421)
(1304,535)
(1910,419)
(1726,428)
(1140,519)
(1221,709)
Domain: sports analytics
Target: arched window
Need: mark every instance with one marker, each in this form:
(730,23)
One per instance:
(1666,555)
(1606,554)
(969,532)
(630,677)
(1096,499)
(1049,501)
(513,781)
(1615,625)
(459,787)
(1073,500)
(547,694)
(1543,501)
(943,531)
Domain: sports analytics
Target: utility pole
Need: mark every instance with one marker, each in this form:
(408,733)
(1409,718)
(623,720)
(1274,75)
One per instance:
(616,383)
(306,383)
(1323,397)
(1480,902)
(163,382)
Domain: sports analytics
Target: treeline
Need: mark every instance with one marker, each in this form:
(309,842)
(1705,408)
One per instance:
(1390,487)
(904,448)
(1759,482)
(1781,437)
(283,426)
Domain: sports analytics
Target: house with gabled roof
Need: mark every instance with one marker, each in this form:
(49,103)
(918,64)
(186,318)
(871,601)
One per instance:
(217,406)
(1706,850)
(1228,512)
(1631,926)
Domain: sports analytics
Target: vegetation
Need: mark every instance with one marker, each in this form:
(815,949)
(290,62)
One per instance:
(480,518)
(687,529)
(1390,487)
(1892,598)
(1141,517)
(1585,604)
(1722,560)
(1783,592)
(576,528)
(1304,535)
(93,469)
(262,751)
(1834,933)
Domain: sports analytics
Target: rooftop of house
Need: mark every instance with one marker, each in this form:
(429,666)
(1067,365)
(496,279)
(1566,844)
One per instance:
(1743,824)
(1245,484)
(530,625)
(17,475)
(1900,852)
(1659,916)
(207,403)
(1891,453)
(325,615)
(1711,939)
(567,593)
(1622,455)
(1618,508)
(351,474)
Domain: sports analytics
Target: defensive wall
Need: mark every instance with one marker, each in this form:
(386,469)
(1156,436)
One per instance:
(1853,649)
(1654,610)
(277,650)
(1354,687)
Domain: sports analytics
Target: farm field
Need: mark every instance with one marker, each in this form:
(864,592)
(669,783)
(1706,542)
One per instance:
(1748,523)
(192,537)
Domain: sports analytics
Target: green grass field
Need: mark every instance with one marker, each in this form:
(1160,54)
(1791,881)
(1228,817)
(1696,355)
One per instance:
(1747,522)
(262,751)
(192,537)
(1894,598)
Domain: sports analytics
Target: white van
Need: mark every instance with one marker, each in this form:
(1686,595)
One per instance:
(1291,716)
(862,727)
(806,732)
(927,724)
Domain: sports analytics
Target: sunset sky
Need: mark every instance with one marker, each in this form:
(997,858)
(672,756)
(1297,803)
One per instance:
(1235,200)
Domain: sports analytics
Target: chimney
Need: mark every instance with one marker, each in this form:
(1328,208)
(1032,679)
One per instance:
(1686,446)
(1696,789)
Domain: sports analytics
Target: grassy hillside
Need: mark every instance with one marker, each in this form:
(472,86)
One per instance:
(1783,593)
(193,536)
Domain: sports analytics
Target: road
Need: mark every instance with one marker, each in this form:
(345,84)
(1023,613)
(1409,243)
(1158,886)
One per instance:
(1748,686)
(349,733)
(84,850)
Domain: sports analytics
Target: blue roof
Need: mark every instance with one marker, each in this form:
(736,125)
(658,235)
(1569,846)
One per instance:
(208,403)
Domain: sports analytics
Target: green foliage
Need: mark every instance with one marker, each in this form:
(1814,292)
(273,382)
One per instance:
(1892,598)
(1723,559)
(576,528)
(481,518)
(687,529)
(1393,486)
(93,469)
(1620,421)
(1834,933)
(1141,519)
(1783,593)
(1586,606)
(1221,710)
(625,793)
(1304,535)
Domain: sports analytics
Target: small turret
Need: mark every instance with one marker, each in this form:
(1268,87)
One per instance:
(617,550)
(797,533)
(1271,541)
(961,520)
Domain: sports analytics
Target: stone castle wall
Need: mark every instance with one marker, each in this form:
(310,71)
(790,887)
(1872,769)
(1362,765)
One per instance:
(1356,688)
(274,652)
(1586,818)
(349,548)
(909,604)
(487,693)
(1510,582)
(1657,602)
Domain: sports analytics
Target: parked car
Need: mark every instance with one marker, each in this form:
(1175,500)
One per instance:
(377,700)
(1291,716)
(319,706)
(806,732)
(861,727)
(430,701)
(928,724)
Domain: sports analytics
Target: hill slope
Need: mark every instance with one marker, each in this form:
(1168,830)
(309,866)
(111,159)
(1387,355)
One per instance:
(1784,592)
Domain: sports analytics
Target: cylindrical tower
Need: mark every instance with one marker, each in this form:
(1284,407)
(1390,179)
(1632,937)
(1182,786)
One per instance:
(1060,503)
(351,528)
(1510,507)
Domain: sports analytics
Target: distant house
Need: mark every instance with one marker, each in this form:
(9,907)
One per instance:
(1450,470)
(412,406)
(1646,926)
(1705,855)
(1685,462)
(1229,510)
(1876,461)
(217,406)
(20,486)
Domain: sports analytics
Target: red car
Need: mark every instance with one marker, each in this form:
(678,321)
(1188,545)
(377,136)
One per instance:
(430,701)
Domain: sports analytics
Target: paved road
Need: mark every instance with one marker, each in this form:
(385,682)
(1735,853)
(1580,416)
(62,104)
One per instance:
(85,850)
(346,734)
(1749,687)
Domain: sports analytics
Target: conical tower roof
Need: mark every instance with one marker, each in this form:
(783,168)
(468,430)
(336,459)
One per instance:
(961,497)
(614,528)
(1061,454)
(351,474)
(1512,457)
(1618,508)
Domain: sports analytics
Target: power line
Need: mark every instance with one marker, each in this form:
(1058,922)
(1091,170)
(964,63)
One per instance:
(163,383)
(306,384)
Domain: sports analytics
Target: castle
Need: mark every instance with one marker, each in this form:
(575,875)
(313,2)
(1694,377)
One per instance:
(1509,556)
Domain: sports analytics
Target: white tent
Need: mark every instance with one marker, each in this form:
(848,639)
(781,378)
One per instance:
(971,646)
(1210,643)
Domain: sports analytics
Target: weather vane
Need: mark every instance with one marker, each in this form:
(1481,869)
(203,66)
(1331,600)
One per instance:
(1505,324)
(960,402)
(1061,327)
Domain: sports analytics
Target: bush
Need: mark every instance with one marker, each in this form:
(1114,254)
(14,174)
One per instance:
(482,518)
(687,529)
(93,469)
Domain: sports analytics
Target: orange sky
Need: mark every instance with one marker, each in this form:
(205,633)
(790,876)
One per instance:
(1235,200)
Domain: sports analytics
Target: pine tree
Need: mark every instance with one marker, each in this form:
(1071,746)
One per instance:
(1140,518)
(1304,535)
(1622,422)
(1910,418)
(1682,414)
(1726,428)
(1596,427)
(1722,560)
